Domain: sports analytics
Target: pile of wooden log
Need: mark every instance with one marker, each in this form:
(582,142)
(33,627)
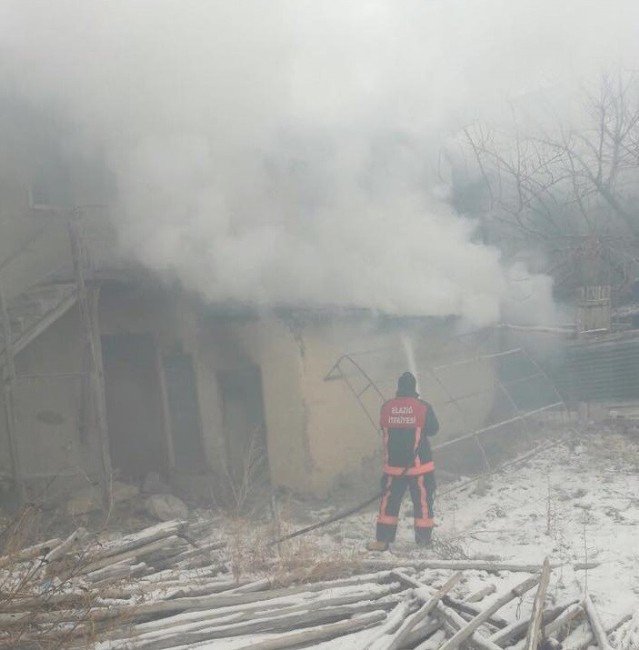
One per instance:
(169,586)
(63,590)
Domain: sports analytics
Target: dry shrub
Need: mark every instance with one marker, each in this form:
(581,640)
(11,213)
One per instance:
(22,530)
(613,447)
(304,560)
(449,549)
(244,491)
(33,589)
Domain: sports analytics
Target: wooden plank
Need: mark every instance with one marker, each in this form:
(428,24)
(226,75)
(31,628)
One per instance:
(514,631)
(393,622)
(455,565)
(224,629)
(88,303)
(166,411)
(316,634)
(463,607)
(420,615)
(532,638)
(480,594)
(99,397)
(469,609)
(468,630)
(453,622)
(595,624)
(570,613)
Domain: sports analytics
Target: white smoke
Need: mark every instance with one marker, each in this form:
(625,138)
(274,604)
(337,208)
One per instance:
(287,151)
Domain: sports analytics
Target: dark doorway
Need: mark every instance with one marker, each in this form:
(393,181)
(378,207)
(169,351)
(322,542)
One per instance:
(244,425)
(134,406)
(184,410)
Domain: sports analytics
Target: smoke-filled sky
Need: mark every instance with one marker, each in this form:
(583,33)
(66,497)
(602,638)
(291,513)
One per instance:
(288,151)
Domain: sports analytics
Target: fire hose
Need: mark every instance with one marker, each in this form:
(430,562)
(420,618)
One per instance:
(361,506)
(328,520)
(339,515)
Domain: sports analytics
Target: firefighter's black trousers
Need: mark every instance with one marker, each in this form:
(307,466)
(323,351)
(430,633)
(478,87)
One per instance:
(422,492)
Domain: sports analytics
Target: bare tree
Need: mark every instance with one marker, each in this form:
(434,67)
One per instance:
(569,190)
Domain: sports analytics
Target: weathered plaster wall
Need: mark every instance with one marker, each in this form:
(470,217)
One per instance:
(273,347)
(216,349)
(31,247)
(48,408)
(318,436)
(174,322)
(229,343)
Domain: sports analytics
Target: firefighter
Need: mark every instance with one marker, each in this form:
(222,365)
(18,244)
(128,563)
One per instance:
(406,423)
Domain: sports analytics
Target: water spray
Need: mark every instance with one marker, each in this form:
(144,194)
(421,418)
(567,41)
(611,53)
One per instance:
(409,351)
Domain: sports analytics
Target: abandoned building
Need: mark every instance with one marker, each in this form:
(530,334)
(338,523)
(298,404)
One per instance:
(111,371)
(190,390)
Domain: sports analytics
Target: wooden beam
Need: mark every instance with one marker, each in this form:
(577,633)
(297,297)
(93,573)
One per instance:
(88,303)
(595,624)
(468,630)
(455,565)
(167,425)
(455,604)
(317,634)
(480,594)
(571,612)
(532,638)
(420,615)
(454,623)
(9,401)
(42,325)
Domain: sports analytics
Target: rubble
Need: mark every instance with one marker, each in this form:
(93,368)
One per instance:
(89,499)
(165,507)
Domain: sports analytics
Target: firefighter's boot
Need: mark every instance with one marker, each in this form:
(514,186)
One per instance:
(377,546)
(424,537)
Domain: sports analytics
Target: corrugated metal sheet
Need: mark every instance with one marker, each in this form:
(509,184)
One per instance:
(600,371)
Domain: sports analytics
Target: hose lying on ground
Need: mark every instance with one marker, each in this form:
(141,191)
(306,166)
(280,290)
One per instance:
(328,520)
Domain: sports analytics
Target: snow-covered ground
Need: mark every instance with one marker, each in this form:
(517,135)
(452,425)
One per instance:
(576,502)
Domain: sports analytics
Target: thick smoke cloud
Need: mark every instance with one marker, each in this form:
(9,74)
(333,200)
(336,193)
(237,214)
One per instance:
(288,152)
